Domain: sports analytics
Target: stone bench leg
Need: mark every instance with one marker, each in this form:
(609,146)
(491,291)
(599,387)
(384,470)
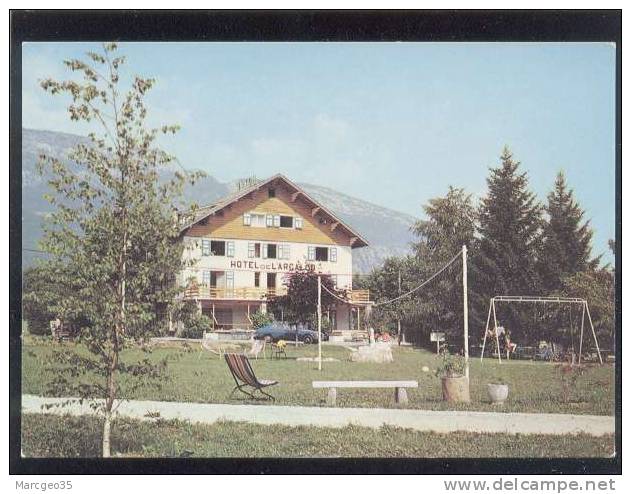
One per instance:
(400,395)
(331,396)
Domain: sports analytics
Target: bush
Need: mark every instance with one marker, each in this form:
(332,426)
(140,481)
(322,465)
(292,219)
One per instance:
(450,365)
(196,326)
(67,436)
(260,319)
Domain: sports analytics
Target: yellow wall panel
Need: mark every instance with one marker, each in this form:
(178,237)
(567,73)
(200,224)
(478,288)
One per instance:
(230,224)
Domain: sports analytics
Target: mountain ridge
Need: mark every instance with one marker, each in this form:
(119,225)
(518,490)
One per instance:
(387,231)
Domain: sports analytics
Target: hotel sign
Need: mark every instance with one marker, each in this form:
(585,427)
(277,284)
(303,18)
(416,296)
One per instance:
(270,265)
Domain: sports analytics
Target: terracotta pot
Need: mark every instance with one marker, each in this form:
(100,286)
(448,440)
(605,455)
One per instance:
(456,389)
(497,392)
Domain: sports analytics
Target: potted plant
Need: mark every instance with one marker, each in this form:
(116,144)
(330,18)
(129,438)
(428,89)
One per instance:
(455,384)
(498,390)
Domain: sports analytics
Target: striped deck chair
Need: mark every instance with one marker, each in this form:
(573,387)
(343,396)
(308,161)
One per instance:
(244,376)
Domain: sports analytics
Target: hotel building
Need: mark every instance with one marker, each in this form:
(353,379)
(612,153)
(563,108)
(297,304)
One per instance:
(240,250)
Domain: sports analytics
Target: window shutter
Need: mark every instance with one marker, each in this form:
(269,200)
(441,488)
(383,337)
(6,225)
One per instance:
(281,251)
(298,223)
(277,220)
(205,247)
(269,220)
(311,253)
(206,277)
(333,254)
(264,249)
(247,219)
(229,279)
(251,251)
(286,252)
(230,248)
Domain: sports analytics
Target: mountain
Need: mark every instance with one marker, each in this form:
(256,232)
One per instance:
(387,231)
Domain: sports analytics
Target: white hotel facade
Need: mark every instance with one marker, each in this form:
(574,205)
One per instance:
(240,250)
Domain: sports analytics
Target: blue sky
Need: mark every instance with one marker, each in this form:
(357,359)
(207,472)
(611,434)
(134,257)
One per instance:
(392,123)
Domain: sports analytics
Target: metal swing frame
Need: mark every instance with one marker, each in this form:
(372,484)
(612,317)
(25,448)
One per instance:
(539,300)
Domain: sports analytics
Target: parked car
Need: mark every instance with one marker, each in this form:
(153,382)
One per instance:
(279,331)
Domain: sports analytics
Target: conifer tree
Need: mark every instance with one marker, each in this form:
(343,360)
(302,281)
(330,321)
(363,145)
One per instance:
(566,248)
(510,237)
(450,224)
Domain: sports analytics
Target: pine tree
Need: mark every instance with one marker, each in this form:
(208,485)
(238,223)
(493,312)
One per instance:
(510,237)
(566,248)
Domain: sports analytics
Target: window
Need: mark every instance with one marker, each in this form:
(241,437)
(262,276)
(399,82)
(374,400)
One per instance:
(271,192)
(217,279)
(277,220)
(254,249)
(206,278)
(311,253)
(286,221)
(298,223)
(205,247)
(218,247)
(247,219)
(257,279)
(230,249)
(269,220)
(272,251)
(333,254)
(321,254)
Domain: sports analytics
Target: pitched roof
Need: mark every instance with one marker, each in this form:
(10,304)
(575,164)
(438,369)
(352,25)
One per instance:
(204,212)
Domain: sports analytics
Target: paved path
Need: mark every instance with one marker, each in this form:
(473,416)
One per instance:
(420,420)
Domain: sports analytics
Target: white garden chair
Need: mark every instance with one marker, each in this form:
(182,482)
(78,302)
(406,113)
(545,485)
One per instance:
(257,347)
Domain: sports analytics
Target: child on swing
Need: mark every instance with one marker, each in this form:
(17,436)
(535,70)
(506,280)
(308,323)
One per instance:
(509,345)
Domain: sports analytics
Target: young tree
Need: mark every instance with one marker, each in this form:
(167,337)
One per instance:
(113,236)
(301,301)
(396,276)
(566,248)
(510,238)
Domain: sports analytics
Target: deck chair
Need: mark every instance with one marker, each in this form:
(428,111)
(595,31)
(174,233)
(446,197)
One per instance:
(244,376)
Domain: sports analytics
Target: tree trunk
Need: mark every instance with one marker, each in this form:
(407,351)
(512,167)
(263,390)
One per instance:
(106,434)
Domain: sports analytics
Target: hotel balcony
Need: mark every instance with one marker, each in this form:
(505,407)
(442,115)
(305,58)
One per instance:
(206,292)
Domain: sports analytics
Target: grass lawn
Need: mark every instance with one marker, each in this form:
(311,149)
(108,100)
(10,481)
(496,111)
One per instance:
(534,386)
(65,436)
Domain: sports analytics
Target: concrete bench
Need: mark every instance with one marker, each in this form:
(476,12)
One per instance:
(400,393)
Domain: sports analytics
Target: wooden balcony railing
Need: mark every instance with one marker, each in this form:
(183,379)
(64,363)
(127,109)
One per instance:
(358,296)
(205,292)
(239,293)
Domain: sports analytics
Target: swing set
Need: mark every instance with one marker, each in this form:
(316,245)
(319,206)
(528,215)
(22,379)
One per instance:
(540,300)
